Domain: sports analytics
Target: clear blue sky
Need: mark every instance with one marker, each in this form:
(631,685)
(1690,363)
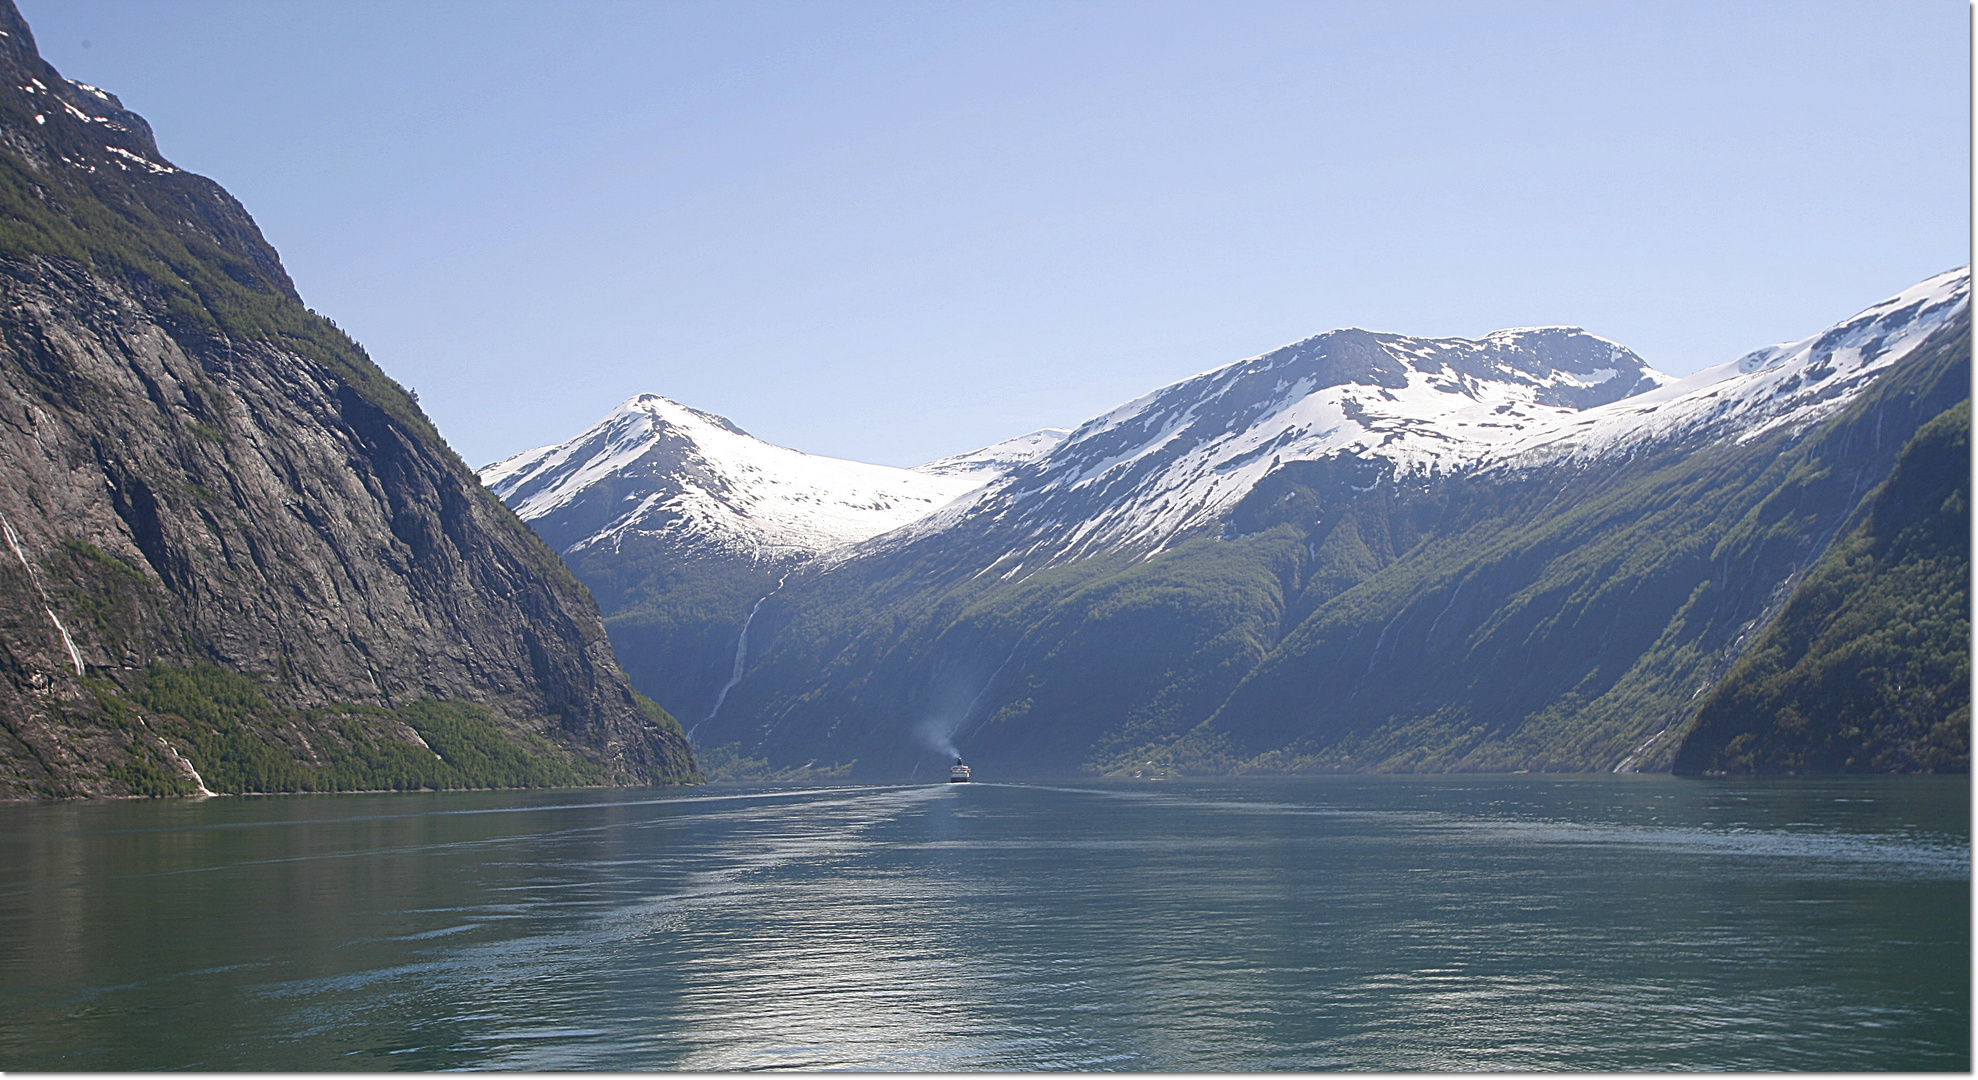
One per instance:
(893,231)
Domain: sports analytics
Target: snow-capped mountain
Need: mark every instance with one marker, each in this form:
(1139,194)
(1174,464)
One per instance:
(657,468)
(1359,552)
(1179,457)
(806,609)
(1795,384)
(997,459)
(1176,460)
(1170,462)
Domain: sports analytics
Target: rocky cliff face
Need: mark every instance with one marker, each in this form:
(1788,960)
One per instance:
(203,474)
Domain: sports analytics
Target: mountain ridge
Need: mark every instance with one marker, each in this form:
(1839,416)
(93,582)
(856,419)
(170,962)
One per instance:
(682,467)
(1147,492)
(681,522)
(239,557)
(1022,624)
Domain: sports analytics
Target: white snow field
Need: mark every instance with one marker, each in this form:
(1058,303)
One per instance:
(996,459)
(695,474)
(1795,384)
(1163,464)
(1166,463)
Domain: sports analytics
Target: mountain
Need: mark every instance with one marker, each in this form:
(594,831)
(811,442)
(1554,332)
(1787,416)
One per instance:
(1165,465)
(1574,613)
(239,557)
(1156,468)
(998,459)
(1868,666)
(1792,386)
(679,522)
(1361,551)
(655,468)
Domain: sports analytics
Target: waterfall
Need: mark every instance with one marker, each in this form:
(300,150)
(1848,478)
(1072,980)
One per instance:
(204,791)
(1627,764)
(741,658)
(75,656)
(977,699)
(14,542)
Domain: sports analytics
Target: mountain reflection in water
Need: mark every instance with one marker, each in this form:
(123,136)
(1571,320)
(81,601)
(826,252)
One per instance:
(1387,923)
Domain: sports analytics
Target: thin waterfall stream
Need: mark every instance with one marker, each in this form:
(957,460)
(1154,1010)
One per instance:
(741,657)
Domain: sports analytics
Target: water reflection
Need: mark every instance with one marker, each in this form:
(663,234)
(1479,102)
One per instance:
(1464,923)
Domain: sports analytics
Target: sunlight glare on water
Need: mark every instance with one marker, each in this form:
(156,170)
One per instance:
(1387,923)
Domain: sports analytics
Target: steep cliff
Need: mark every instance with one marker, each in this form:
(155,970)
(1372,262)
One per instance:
(235,547)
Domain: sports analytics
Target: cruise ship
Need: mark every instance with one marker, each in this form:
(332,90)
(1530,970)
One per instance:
(958,773)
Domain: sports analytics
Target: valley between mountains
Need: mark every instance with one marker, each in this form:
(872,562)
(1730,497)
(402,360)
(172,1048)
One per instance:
(240,558)
(1359,552)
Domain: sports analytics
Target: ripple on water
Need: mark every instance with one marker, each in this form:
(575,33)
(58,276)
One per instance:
(1467,923)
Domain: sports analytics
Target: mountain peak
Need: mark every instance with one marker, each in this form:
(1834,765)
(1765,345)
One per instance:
(1000,458)
(77,146)
(667,410)
(45,98)
(655,467)
(1795,383)
(1175,460)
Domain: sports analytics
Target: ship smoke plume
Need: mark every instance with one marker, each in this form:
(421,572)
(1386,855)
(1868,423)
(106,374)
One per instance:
(957,700)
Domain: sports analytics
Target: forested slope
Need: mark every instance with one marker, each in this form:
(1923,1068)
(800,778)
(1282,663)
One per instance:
(1868,667)
(1568,620)
(1345,616)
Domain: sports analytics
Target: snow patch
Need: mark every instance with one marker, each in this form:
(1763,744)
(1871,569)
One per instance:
(1177,460)
(997,459)
(698,475)
(141,160)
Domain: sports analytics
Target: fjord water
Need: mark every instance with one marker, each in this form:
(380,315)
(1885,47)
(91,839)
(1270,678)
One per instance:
(1391,923)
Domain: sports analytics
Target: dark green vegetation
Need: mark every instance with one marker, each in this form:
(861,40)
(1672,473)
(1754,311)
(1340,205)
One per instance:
(729,763)
(1868,667)
(673,617)
(233,544)
(240,742)
(1567,618)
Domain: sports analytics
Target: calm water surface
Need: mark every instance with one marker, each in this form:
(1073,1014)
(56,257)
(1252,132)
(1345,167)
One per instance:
(1391,923)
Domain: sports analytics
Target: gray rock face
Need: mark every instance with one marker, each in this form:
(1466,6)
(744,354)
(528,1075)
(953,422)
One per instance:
(180,488)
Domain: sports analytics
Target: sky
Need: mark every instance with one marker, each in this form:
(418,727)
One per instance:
(897,231)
